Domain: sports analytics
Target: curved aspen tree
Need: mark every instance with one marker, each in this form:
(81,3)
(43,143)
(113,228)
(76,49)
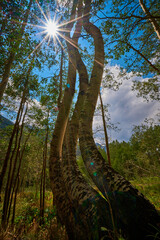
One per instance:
(61,197)
(116,205)
(74,198)
(134,214)
(86,201)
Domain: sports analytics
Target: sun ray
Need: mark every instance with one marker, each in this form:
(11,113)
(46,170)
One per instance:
(73,44)
(38,45)
(49,39)
(65,51)
(40,33)
(54,43)
(70,41)
(41,10)
(51,27)
(38,17)
(66,30)
(63,30)
(73,20)
(54,40)
(48,12)
(54,19)
(30,54)
(28,24)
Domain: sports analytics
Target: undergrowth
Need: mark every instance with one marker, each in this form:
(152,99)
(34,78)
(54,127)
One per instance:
(26,226)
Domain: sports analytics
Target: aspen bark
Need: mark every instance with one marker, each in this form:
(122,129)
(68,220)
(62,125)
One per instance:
(61,198)
(134,214)
(60,79)
(43,176)
(23,99)
(8,65)
(80,208)
(105,131)
(153,21)
(10,180)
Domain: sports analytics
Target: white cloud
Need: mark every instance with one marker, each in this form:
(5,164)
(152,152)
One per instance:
(125,108)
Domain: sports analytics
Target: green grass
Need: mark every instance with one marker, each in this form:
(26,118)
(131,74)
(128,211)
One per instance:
(27,211)
(150,187)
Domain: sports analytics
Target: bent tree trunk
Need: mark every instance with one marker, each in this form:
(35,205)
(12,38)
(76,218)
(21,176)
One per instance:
(116,205)
(61,197)
(134,215)
(74,200)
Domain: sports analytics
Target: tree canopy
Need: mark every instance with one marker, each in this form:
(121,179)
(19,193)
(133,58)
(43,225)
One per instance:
(50,83)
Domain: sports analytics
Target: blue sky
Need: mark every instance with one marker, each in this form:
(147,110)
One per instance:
(125,108)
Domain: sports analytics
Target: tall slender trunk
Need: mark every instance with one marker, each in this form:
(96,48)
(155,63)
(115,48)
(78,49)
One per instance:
(134,215)
(40,192)
(64,203)
(6,74)
(17,179)
(10,180)
(85,207)
(43,176)
(16,125)
(8,65)
(60,79)
(79,207)
(86,201)
(15,200)
(105,130)
(5,163)
(151,18)
(61,198)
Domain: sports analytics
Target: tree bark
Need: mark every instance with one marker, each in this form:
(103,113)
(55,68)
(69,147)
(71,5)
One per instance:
(60,79)
(10,180)
(6,74)
(87,215)
(17,179)
(5,163)
(149,62)
(134,215)
(117,205)
(61,198)
(43,176)
(8,65)
(16,125)
(105,131)
(151,18)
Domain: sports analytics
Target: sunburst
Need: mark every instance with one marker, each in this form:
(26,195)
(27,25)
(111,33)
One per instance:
(51,28)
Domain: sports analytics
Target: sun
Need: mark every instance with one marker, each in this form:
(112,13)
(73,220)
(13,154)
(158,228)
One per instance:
(51,28)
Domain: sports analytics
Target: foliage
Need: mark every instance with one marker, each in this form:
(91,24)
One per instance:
(150,187)
(145,143)
(130,38)
(139,156)
(27,218)
(121,155)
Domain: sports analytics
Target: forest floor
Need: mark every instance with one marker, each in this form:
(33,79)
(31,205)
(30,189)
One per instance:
(27,218)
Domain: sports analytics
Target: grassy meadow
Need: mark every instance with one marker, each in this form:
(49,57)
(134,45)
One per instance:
(27,212)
